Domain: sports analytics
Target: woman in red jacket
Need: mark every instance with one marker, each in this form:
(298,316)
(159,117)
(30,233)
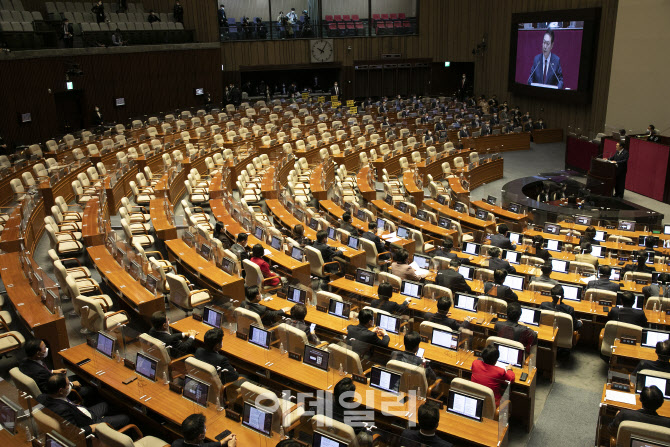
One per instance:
(257,258)
(485,372)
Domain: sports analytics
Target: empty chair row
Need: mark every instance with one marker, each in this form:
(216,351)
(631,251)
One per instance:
(58,7)
(146,26)
(19,16)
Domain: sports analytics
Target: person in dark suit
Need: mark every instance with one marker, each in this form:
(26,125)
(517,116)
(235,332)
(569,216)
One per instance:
(297,320)
(361,339)
(501,239)
(451,279)
(557,305)
(620,157)
(440,126)
(67,34)
(603,282)
(476,122)
(640,265)
(545,277)
(528,127)
(588,237)
(660,289)
(496,288)
(463,87)
(495,120)
(428,416)
(182,343)
(412,341)
(442,315)
(240,247)
(513,330)
(153,17)
(223,20)
(210,352)
(371,235)
(328,253)
(383,108)
(538,242)
(486,129)
(540,124)
(651,399)
(344,392)
(385,292)
(444,251)
(464,132)
(99,10)
(58,388)
(662,363)
(336,91)
(627,313)
(346,224)
(178,12)
(97,117)
(546,68)
(193,429)
(252,302)
(299,235)
(35,367)
(495,263)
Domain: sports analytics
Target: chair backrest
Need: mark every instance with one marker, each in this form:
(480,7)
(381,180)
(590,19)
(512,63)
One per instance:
(207,373)
(323,298)
(426,328)
(477,390)
(488,303)
(617,329)
(505,341)
(395,281)
(315,260)
(112,438)
(413,376)
(293,339)
(157,349)
(648,432)
(564,324)
(254,276)
(179,291)
(350,360)
(370,251)
(24,383)
(245,318)
(334,429)
(600,294)
(435,292)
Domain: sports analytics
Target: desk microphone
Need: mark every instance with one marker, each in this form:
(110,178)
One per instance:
(532,72)
(552,69)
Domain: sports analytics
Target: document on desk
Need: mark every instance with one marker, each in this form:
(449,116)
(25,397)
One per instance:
(464,406)
(418,270)
(587,279)
(389,236)
(266,252)
(618,396)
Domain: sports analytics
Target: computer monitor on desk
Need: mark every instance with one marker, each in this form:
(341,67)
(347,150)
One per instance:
(600,236)
(297,254)
(339,309)
(511,256)
(323,440)
(366,277)
(554,245)
(583,220)
(509,355)
(195,391)
(54,439)
(662,383)
(388,323)
(296,295)
(472,248)
(411,289)
(105,344)
(146,366)
(560,266)
(530,316)
(384,379)
(571,292)
(465,405)
(445,339)
(651,337)
(515,238)
(466,302)
(514,282)
(402,233)
(259,337)
(353,243)
(316,357)
(276,243)
(467,272)
(257,419)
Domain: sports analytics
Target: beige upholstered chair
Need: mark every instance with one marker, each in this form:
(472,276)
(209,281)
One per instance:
(113,438)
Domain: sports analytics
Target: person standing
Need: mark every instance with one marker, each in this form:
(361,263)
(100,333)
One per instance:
(67,34)
(336,91)
(178,12)
(620,158)
(99,11)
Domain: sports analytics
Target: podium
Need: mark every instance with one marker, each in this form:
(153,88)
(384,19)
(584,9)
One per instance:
(601,178)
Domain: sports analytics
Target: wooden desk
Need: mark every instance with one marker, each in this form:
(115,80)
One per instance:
(484,173)
(412,189)
(10,239)
(628,356)
(29,308)
(150,401)
(120,189)
(466,220)
(517,220)
(541,136)
(132,293)
(268,187)
(499,143)
(406,219)
(363,183)
(163,226)
(90,228)
(207,273)
(320,181)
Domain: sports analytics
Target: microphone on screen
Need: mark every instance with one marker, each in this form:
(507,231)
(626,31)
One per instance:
(533,71)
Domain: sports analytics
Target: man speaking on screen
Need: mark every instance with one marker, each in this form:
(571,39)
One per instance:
(547,66)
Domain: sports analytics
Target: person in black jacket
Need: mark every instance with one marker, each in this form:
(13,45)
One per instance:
(662,363)
(627,314)
(67,34)
(346,224)
(240,247)
(543,253)
(328,253)
(193,429)
(620,158)
(428,416)
(557,305)
(660,289)
(442,315)
(651,399)
(361,339)
(371,235)
(501,240)
(97,117)
(513,330)
(210,352)
(35,367)
(344,404)
(496,288)
(178,12)
(495,263)
(252,302)
(640,266)
(545,277)
(182,343)
(297,320)
(445,250)
(603,282)
(412,341)
(451,279)
(99,10)
(385,292)
(56,399)
(153,17)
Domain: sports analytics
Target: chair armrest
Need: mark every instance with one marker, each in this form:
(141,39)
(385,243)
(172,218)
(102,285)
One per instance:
(432,387)
(383,253)
(331,263)
(103,302)
(71,259)
(160,256)
(77,396)
(322,344)
(193,292)
(9,334)
(134,428)
(78,269)
(115,313)
(69,233)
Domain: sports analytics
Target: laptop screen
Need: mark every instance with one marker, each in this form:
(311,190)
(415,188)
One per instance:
(259,233)
(471,248)
(105,344)
(530,316)
(554,245)
(402,233)
(583,220)
(296,295)
(402,207)
(514,282)
(384,379)
(316,357)
(443,222)
(552,228)
(313,224)
(388,323)
(381,223)
(515,207)
(389,199)
(205,250)
(259,337)
(514,238)
(511,256)
(466,302)
(228,265)
(146,366)
(360,215)
(339,308)
(626,225)
(559,265)
(650,380)
(257,419)
(212,317)
(600,236)
(422,261)
(321,440)
(195,390)
(465,405)
(571,292)
(331,233)
(482,214)
(275,243)
(650,337)
(467,272)
(445,339)
(353,243)
(411,288)
(297,253)
(365,277)
(421,215)
(509,355)
(442,200)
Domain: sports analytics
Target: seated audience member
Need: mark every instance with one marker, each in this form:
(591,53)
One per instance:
(586,256)
(545,277)
(485,372)
(182,342)
(346,224)
(385,292)
(649,244)
(429,418)
(501,239)
(451,279)
(412,341)
(153,17)
(35,367)
(589,237)
(442,315)
(661,289)
(362,339)
(662,363)
(117,38)
(194,430)
(299,235)
(627,314)
(651,399)
(603,282)
(297,320)
(344,403)
(498,290)
(240,247)
(513,330)
(445,250)
(401,268)
(210,352)
(371,235)
(495,263)
(252,302)
(58,388)
(328,253)
(542,253)
(270,278)
(557,305)
(640,265)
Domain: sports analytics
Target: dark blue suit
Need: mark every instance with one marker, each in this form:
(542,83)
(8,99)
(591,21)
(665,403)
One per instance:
(554,71)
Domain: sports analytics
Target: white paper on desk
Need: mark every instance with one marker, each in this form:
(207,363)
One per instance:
(266,252)
(587,279)
(618,396)
(389,236)
(418,270)
(393,239)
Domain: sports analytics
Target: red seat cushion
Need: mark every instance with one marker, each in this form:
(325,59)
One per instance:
(401,15)
(329,18)
(394,16)
(338,18)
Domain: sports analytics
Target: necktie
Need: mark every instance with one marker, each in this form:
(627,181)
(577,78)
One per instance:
(544,79)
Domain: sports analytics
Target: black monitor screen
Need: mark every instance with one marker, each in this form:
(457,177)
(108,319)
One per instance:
(384,379)
(552,228)
(321,440)
(8,414)
(212,317)
(388,323)
(510,356)
(353,243)
(297,254)
(339,308)
(195,390)
(662,383)
(257,419)
(411,289)
(571,292)
(366,277)
(465,405)
(146,366)
(228,265)
(259,233)
(316,357)
(443,222)
(276,243)
(530,316)
(56,440)
(466,302)
(105,344)
(650,337)
(331,233)
(259,337)
(583,220)
(471,248)
(626,225)
(445,339)
(296,295)
(511,256)
(402,233)
(467,272)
